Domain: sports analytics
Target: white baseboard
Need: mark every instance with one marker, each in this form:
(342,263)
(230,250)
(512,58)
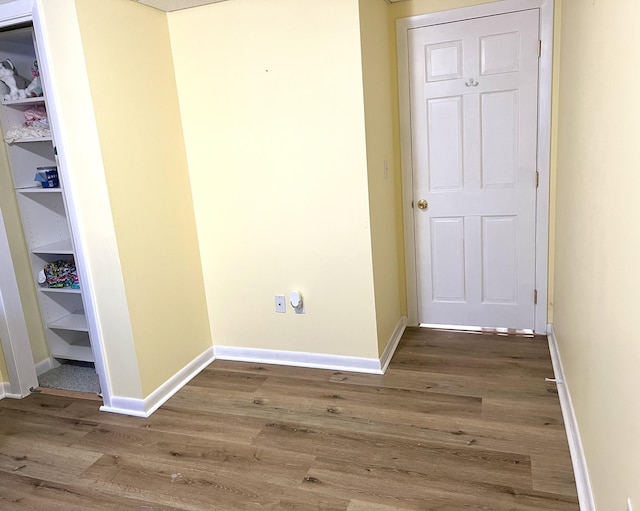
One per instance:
(126,406)
(5,391)
(145,407)
(299,359)
(580,469)
(316,360)
(46,365)
(390,349)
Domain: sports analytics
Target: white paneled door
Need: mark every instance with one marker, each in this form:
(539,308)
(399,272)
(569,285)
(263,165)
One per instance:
(473,87)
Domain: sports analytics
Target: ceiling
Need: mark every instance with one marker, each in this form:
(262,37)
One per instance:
(176,5)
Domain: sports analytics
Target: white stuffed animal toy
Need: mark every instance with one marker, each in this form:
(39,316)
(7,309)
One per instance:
(16,83)
(35,87)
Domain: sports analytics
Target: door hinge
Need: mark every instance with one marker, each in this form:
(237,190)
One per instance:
(537,179)
(539,48)
(535,297)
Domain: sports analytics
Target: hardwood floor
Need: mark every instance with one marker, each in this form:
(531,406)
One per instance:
(459,422)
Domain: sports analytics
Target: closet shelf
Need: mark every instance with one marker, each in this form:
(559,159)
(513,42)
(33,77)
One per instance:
(75,321)
(63,290)
(26,101)
(59,247)
(72,352)
(38,189)
(43,211)
(30,140)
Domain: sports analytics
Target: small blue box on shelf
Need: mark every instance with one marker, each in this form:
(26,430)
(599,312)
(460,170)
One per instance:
(47,177)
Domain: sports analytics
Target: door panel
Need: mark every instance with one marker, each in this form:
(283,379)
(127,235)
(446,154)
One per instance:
(499,136)
(474,127)
(499,54)
(444,61)
(448,258)
(499,259)
(445,143)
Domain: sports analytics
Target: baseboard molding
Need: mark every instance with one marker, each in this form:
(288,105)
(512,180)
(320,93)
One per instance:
(126,406)
(145,407)
(316,360)
(580,469)
(46,365)
(392,345)
(299,359)
(5,391)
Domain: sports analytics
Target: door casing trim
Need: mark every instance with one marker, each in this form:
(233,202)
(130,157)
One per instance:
(403,25)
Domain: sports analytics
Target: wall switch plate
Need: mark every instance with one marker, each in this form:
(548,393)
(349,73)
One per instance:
(281,305)
(629,506)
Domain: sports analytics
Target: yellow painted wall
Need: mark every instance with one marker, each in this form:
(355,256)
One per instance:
(273,115)
(385,242)
(130,69)
(416,7)
(3,367)
(553,164)
(597,281)
(78,144)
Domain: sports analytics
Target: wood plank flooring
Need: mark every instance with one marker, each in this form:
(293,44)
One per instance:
(458,422)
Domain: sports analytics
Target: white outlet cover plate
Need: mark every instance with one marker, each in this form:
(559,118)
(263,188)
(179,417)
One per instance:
(280,303)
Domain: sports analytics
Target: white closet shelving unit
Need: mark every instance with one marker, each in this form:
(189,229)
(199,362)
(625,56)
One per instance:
(43,211)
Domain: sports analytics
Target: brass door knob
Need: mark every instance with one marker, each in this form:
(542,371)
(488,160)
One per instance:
(423,204)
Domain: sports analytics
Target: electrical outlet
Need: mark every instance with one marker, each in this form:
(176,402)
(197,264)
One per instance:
(280,303)
(629,506)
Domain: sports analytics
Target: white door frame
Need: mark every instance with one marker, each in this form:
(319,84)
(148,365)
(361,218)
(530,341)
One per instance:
(13,329)
(403,25)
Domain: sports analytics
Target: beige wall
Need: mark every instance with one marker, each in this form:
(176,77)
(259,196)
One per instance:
(3,367)
(416,7)
(130,70)
(78,145)
(597,245)
(273,114)
(385,241)
(553,164)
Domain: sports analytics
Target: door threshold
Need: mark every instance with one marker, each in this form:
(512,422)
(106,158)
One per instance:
(67,393)
(526,332)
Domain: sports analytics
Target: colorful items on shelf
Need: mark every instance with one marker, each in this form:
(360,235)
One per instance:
(36,125)
(47,177)
(59,274)
(36,117)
